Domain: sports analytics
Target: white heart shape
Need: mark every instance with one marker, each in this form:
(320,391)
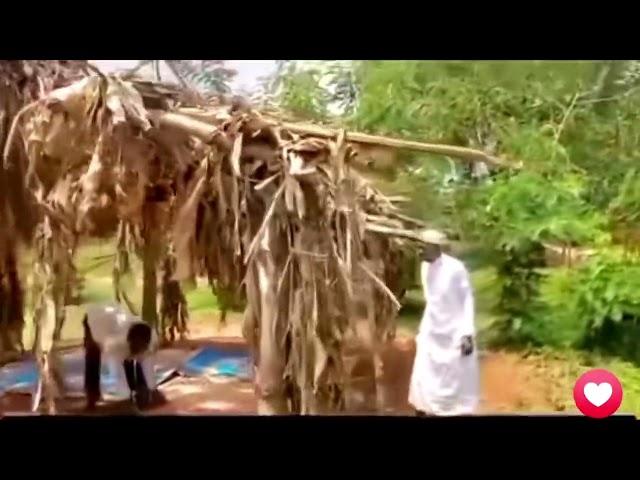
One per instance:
(598,394)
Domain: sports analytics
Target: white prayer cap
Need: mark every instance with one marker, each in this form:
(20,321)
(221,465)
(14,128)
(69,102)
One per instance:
(434,237)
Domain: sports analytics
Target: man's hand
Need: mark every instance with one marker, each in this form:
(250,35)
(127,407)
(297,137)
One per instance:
(145,398)
(467,345)
(142,398)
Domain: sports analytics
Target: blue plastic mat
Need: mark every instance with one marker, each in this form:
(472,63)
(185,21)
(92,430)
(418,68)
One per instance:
(211,360)
(22,377)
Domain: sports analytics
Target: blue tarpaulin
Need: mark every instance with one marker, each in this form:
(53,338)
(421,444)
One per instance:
(211,360)
(22,377)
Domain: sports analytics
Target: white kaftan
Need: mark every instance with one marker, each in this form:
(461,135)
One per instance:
(109,326)
(444,382)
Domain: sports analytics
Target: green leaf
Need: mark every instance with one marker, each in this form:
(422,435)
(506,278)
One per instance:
(616,314)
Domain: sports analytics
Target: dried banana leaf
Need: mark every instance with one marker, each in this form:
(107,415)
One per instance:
(269,212)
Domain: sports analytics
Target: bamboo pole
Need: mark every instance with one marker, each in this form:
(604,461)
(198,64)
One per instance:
(394,232)
(191,126)
(462,153)
(199,120)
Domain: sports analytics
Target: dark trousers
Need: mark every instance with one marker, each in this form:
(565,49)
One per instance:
(92,367)
(93,363)
(135,376)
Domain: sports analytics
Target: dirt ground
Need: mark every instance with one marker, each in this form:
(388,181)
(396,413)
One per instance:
(509,384)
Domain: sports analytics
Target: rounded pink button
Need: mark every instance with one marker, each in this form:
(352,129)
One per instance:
(598,393)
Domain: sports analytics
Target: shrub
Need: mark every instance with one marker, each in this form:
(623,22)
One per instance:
(596,306)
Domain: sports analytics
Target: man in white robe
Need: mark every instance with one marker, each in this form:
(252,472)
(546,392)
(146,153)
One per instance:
(445,376)
(127,344)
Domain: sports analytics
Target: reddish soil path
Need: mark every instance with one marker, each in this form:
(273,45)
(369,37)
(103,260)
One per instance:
(510,384)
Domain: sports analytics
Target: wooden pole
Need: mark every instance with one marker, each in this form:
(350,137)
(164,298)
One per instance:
(462,153)
(394,232)
(198,122)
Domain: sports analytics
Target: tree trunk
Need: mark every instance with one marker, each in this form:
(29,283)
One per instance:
(151,252)
(11,294)
(174,311)
(11,305)
(122,267)
(59,293)
(270,373)
(222,317)
(380,320)
(149,286)
(45,314)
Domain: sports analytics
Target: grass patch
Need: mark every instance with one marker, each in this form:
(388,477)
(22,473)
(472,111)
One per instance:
(94,261)
(202,300)
(563,367)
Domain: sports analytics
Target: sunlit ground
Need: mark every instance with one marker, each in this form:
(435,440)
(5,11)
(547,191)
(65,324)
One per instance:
(549,373)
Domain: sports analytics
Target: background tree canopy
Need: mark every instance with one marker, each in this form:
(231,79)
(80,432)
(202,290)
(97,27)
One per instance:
(572,124)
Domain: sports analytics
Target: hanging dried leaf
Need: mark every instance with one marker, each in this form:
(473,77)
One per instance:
(215,181)
(235,155)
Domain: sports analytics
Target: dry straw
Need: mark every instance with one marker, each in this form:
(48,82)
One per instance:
(271,213)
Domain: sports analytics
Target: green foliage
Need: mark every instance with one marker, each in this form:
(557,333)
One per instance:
(300,92)
(214,77)
(608,292)
(343,87)
(519,214)
(449,101)
(595,306)
(210,75)
(530,207)
(558,323)
(517,267)
(429,184)
(572,124)
(625,207)
(535,144)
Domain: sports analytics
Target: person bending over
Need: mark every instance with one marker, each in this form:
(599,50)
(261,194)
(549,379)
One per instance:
(127,344)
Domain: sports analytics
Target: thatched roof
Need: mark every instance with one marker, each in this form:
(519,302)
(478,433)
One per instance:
(273,210)
(22,82)
(73,135)
(32,79)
